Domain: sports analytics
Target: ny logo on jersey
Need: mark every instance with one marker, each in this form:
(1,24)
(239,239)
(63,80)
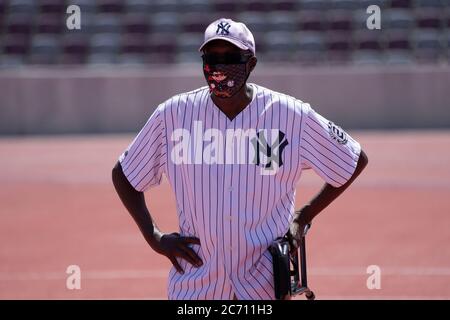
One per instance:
(269,156)
(223,28)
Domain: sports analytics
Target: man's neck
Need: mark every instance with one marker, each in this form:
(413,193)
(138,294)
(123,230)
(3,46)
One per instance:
(234,105)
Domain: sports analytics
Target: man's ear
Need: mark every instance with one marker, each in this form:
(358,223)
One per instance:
(252,63)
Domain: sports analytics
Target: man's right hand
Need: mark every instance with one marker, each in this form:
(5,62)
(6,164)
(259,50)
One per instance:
(174,245)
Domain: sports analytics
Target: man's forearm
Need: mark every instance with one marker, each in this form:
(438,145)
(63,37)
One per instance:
(172,245)
(329,193)
(134,201)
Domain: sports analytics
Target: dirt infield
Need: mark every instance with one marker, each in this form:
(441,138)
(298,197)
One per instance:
(58,208)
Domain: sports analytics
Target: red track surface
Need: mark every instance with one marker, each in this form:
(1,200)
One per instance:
(58,208)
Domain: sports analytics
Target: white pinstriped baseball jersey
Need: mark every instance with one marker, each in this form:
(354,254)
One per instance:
(234,181)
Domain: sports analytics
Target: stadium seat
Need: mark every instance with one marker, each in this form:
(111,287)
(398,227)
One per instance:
(281,41)
(15,44)
(197,6)
(88,23)
(165,22)
(311,41)
(279,57)
(446,18)
(256,6)
(344,4)
(110,6)
(428,46)
(75,48)
(338,42)
(20,23)
(189,42)
(104,43)
(11,61)
(75,44)
(227,6)
(101,59)
(50,23)
(86,7)
(368,40)
(195,22)
(368,57)
(311,47)
(136,23)
(72,59)
(364,4)
(45,49)
(339,20)
(447,44)
(283,21)
(161,43)
(259,42)
(2,9)
(339,47)
(429,18)
(359,18)
(398,41)
(107,23)
(255,21)
(158,59)
(166,6)
(399,57)
(188,57)
(447,41)
(212,16)
(131,59)
(52,6)
(401,3)
(311,20)
(398,19)
(430,3)
(138,6)
(134,44)
(284,5)
(313,4)
(21,6)
(427,40)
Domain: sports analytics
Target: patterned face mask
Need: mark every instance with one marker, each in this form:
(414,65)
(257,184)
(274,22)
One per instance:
(225,75)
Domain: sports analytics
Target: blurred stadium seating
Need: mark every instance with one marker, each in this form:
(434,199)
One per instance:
(308,32)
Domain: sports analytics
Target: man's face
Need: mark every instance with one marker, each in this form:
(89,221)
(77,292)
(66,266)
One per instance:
(226,67)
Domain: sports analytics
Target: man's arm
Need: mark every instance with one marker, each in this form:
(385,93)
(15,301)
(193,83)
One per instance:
(171,245)
(325,196)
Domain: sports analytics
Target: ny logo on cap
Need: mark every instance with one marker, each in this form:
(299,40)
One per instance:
(223,28)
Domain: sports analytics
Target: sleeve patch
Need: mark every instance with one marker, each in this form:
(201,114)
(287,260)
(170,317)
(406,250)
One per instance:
(337,133)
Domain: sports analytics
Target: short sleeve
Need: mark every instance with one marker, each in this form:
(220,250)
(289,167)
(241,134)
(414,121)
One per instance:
(326,148)
(143,162)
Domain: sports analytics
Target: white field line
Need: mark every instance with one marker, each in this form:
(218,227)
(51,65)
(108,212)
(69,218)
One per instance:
(163,273)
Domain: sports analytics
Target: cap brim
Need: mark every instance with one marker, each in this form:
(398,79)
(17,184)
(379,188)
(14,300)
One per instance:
(238,44)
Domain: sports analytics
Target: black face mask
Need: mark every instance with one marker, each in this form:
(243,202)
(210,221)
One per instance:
(225,74)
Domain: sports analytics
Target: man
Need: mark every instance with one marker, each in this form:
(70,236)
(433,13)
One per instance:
(233,152)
